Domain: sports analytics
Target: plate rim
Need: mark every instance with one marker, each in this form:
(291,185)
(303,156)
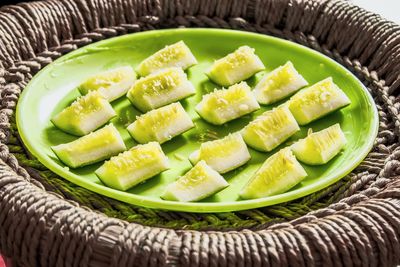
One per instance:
(199,207)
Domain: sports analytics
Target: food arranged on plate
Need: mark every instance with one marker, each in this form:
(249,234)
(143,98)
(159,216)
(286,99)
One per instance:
(156,95)
(320,147)
(161,124)
(176,55)
(160,88)
(235,67)
(85,115)
(134,166)
(198,183)
(279,173)
(279,84)
(317,101)
(224,105)
(270,129)
(223,155)
(94,147)
(112,84)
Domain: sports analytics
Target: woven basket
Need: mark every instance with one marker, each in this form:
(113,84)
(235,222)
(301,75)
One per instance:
(47,221)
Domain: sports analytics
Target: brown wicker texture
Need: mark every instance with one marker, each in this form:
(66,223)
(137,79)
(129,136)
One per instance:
(361,227)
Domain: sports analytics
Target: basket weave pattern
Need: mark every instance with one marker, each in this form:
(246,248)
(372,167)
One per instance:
(46,221)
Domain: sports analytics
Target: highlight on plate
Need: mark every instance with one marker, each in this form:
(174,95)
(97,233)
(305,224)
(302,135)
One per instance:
(156,94)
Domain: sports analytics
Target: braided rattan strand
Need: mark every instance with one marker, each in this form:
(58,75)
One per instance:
(354,222)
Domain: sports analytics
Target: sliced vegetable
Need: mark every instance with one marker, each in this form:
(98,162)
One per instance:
(317,101)
(198,183)
(94,147)
(279,173)
(223,155)
(235,67)
(161,124)
(85,115)
(112,84)
(133,166)
(160,88)
(320,147)
(279,84)
(225,105)
(270,129)
(175,55)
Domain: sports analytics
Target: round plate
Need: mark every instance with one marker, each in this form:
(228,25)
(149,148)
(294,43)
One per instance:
(54,88)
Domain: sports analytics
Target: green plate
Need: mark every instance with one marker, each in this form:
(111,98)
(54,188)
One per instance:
(55,87)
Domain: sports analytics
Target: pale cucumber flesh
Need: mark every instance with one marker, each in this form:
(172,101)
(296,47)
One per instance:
(198,183)
(235,67)
(160,88)
(161,124)
(112,84)
(133,166)
(320,147)
(270,129)
(279,173)
(225,105)
(317,101)
(176,55)
(279,84)
(94,147)
(85,115)
(223,155)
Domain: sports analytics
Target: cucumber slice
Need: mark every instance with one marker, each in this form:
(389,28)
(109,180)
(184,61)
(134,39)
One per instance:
(270,129)
(279,84)
(279,173)
(112,83)
(199,182)
(175,55)
(225,105)
(223,155)
(160,88)
(94,147)
(235,67)
(320,147)
(85,115)
(161,124)
(317,100)
(133,166)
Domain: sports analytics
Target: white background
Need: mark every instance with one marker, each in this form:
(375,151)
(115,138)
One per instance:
(389,9)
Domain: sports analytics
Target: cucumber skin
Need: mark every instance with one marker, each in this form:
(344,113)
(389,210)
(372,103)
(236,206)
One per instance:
(78,132)
(256,183)
(221,77)
(304,121)
(303,155)
(142,136)
(112,180)
(62,154)
(189,60)
(301,117)
(255,141)
(213,117)
(194,157)
(245,156)
(216,78)
(291,88)
(70,129)
(85,87)
(67,125)
(193,161)
(143,105)
(168,194)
